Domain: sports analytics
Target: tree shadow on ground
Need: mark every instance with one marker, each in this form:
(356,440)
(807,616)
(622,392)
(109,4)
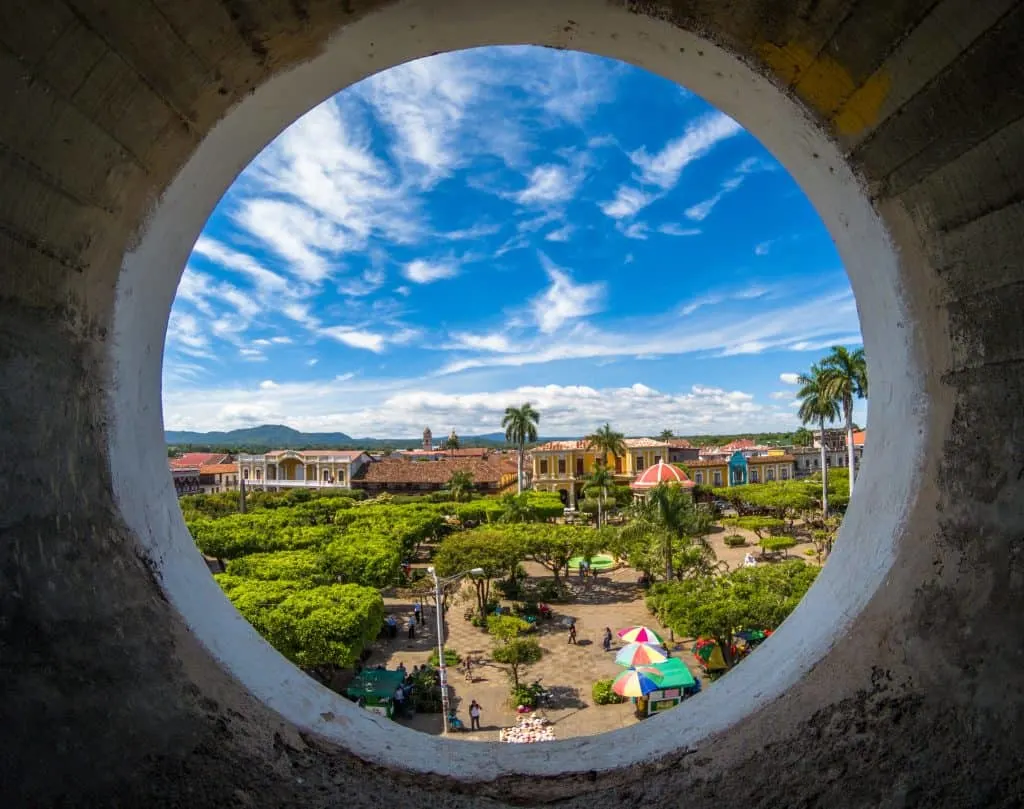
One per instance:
(563,697)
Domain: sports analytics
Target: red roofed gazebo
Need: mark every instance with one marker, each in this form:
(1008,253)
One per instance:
(660,473)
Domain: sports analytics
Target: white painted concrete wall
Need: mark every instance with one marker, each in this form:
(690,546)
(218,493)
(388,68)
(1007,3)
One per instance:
(407,30)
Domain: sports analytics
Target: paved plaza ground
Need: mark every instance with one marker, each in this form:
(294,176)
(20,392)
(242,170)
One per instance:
(567,671)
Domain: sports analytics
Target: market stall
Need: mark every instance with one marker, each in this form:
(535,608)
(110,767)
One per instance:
(528,729)
(375,690)
(675,684)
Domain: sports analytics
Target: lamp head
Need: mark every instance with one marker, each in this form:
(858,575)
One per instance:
(477,571)
(430,570)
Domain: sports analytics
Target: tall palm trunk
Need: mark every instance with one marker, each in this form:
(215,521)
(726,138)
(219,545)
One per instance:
(669,572)
(824,474)
(520,488)
(848,407)
(600,505)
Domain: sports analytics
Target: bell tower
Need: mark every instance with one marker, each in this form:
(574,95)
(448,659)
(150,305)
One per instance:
(428,439)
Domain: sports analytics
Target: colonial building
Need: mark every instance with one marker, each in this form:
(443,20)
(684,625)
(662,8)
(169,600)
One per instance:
(563,466)
(288,468)
(739,469)
(186,479)
(403,476)
(221,477)
(808,459)
(680,451)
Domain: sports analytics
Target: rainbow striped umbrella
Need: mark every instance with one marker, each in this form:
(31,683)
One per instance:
(641,634)
(640,654)
(637,682)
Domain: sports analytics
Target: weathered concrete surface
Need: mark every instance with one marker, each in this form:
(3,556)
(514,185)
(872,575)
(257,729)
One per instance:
(109,700)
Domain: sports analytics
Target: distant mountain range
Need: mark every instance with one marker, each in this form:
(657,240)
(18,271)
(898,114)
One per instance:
(280,436)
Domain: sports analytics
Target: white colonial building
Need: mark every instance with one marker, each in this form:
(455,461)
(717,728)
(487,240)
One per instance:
(287,468)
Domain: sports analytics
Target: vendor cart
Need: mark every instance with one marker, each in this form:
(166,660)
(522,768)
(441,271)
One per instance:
(676,684)
(375,688)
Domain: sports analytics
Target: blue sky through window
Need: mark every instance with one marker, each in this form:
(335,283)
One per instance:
(487,227)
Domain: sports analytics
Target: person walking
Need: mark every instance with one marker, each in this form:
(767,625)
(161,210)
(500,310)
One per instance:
(607,641)
(474,715)
(417,611)
(469,670)
(412,627)
(572,633)
(399,699)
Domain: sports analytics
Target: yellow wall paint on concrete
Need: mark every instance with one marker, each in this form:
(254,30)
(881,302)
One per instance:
(862,108)
(827,86)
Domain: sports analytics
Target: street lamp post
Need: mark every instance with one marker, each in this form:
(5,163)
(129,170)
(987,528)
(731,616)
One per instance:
(439,614)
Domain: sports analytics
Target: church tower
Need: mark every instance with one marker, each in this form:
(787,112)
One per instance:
(428,439)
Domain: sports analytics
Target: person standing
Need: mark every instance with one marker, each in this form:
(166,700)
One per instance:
(469,670)
(572,633)
(412,627)
(607,642)
(474,715)
(399,700)
(417,611)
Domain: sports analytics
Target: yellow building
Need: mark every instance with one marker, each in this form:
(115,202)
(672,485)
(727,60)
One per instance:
(563,466)
(739,470)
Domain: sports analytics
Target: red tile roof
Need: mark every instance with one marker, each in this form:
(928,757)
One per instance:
(195,459)
(631,443)
(661,473)
(218,469)
(679,443)
(769,459)
(437,472)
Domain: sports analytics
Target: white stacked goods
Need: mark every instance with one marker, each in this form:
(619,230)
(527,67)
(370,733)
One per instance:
(528,729)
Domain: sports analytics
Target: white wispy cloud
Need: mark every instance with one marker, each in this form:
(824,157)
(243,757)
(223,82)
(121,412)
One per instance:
(357,338)
(628,201)
(674,229)
(636,230)
(422,271)
(663,168)
(777,327)
(548,184)
(400,408)
(790,378)
(480,342)
(561,235)
(564,300)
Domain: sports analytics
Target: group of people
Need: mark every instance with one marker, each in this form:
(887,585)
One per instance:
(414,620)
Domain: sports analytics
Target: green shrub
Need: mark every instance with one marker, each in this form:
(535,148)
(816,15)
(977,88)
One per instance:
(522,695)
(603,695)
(809,551)
(735,540)
(451,658)
(778,543)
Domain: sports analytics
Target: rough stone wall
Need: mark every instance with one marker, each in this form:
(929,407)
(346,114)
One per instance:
(108,701)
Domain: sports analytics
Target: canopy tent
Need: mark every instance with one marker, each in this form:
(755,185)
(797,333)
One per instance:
(375,684)
(675,674)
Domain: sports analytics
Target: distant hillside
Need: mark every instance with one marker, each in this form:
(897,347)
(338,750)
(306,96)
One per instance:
(277,435)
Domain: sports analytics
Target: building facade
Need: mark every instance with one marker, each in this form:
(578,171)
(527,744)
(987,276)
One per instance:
(563,466)
(288,468)
(186,480)
(740,469)
(218,478)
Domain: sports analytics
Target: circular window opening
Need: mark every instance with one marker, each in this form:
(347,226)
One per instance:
(142,482)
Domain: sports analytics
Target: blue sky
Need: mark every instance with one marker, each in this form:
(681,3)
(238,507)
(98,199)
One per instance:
(488,227)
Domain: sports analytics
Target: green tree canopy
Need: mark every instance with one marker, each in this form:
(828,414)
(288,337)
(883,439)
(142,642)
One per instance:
(670,518)
(718,607)
(496,551)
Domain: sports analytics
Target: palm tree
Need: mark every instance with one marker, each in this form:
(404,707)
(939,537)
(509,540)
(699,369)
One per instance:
(666,435)
(520,425)
(600,479)
(846,378)
(818,405)
(460,485)
(452,442)
(607,442)
(669,513)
